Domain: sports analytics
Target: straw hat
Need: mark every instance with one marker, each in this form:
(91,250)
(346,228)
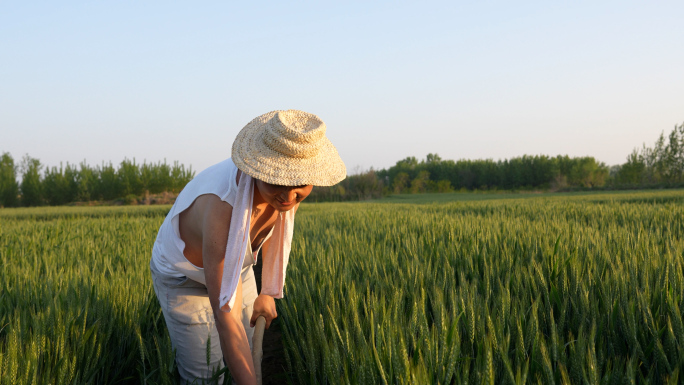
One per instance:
(288,148)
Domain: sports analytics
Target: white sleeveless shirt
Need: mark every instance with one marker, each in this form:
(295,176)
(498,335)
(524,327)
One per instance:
(167,252)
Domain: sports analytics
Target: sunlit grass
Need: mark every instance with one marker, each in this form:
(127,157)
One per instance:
(563,289)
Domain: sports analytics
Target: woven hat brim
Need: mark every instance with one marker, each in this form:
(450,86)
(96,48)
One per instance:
(252,156)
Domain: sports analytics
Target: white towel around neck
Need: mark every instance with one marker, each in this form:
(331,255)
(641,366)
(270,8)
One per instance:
(275,258)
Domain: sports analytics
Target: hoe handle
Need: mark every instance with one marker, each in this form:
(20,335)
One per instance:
(257,352)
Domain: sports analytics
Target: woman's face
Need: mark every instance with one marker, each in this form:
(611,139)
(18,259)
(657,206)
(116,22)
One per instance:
(282,198)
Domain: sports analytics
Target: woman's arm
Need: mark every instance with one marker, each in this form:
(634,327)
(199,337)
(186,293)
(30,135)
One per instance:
(264,305)
(233,339)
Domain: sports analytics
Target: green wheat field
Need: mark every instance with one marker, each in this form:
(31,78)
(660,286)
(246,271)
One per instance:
(441,289)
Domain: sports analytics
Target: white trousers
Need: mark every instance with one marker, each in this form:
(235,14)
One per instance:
(192,328)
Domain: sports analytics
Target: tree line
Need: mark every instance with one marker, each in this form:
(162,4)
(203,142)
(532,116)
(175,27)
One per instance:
(659,166)
(66,184)
(662,164)
(436,175)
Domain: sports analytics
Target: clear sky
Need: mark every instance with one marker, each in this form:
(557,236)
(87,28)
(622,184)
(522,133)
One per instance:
(100,81)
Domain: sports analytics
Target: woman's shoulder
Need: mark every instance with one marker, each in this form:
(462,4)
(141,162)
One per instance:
(218,179)
(221,174)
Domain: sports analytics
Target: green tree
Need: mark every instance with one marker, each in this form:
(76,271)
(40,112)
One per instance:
(108,186)
(31,187)
(9,188)
(633,171)
(60,186)
(433,158)
(180,176)
(655,160)
(365,185)
(86,182)
(662,163)
(160,178)
(444,186)
(400,182)
(674,156)
(128,177)
(587,172)
(421,183)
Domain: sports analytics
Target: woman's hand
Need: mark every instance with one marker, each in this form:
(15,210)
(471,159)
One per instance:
(265,306)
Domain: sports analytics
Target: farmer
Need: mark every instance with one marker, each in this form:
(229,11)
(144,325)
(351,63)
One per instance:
(204,252)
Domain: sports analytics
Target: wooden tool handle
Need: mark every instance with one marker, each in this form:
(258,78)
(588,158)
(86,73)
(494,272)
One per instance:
(257,352)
